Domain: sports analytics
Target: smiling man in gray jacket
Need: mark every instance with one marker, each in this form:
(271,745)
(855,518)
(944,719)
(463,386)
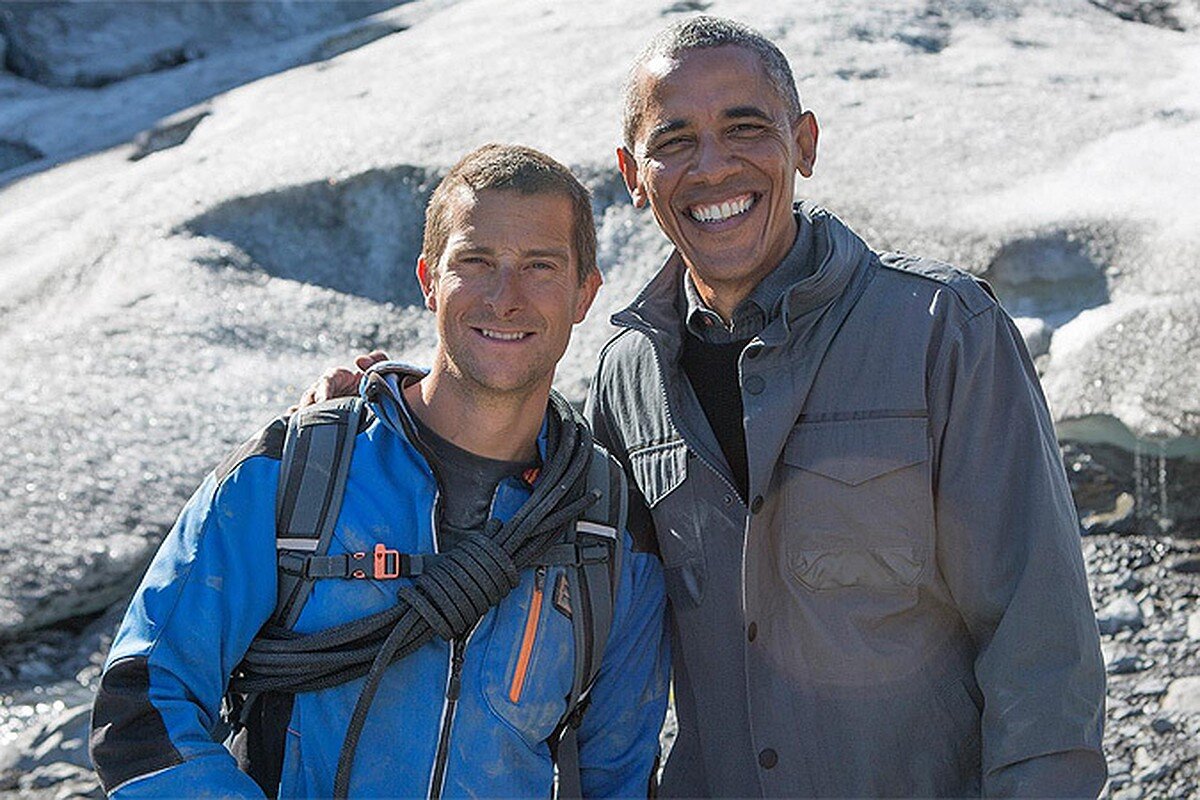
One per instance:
(872,554)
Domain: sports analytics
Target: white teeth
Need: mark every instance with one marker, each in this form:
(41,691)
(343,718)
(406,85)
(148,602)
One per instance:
(725,210)
(507,337)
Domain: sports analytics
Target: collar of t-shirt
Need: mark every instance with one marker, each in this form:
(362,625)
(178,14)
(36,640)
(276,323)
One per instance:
(467,482)
(761,306)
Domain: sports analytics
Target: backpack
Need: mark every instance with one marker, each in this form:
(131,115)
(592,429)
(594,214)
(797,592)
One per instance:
(314,464)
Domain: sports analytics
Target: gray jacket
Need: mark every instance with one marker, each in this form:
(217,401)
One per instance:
(901,609)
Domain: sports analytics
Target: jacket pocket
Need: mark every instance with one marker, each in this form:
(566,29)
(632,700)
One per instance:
(864,567)
(530,659)
(859,502)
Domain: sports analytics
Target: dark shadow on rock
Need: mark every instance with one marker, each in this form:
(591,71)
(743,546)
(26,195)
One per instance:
(1053,275)
(360,236)
(15,154)
(1143,490)
(91,45)
(170,132)
(685,7)
(1159,13)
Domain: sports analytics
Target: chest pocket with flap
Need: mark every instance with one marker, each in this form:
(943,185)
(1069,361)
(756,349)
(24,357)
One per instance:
(859,502)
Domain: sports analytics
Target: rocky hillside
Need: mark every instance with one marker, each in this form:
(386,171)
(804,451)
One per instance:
(203,204)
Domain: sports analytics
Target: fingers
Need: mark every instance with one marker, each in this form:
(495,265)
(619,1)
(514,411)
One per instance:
(364,362)
(339,381)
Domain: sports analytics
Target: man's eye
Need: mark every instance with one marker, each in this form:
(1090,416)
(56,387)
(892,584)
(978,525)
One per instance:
(543,265)
(675,144)
(746,130)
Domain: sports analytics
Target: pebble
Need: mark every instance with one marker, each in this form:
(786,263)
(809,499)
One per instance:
(1130,792)
(1121,614)
(1149,688)
(1127,665)
(1183,695)
(1128,582)
(1154,771)
(1162,725)
(1193,626)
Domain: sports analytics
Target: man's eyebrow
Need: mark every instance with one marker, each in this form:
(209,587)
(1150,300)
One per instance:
(664,128)
(747,111)
(550,252)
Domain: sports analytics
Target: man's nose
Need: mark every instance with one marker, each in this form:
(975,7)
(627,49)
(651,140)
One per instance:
(714,162)
(504,295)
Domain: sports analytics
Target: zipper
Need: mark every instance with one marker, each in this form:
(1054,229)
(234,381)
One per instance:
(662,383)
(531,626)
(458,649)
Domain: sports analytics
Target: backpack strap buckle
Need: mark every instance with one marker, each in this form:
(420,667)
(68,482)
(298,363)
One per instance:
(386,563)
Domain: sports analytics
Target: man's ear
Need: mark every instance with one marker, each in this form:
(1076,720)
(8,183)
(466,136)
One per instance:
(587,293)
(629,171)
(426,279)
(806,133)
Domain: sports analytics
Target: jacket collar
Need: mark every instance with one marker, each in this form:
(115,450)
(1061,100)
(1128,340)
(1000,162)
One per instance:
(381,389)
(657,308)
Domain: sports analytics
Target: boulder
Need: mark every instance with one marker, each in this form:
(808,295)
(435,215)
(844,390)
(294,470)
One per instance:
(91,44)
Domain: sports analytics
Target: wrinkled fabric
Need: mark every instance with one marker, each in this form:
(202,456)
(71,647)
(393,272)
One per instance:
(900,607)
(212,585)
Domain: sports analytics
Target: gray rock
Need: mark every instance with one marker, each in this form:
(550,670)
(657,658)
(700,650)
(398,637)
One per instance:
(1152,687)
(1162,725)
(1123,613)
(16,153)
(1183,695)
(1129,664)
(1189,565)
(57,744)
(1121,518)
(170,132)
(1154,771)
(97,43)
(1129,582)
(1193,626)
(1170,14)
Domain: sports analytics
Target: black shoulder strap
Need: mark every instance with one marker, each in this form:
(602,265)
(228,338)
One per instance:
(593,588)
(312,480)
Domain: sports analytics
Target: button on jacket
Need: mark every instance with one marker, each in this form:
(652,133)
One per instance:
(212,586)
(899,607)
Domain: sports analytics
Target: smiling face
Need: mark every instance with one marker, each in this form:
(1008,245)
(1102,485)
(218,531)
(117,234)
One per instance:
(715,157)
(506,291)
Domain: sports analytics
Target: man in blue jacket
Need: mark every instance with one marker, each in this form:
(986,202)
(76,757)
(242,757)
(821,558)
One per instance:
(508,267)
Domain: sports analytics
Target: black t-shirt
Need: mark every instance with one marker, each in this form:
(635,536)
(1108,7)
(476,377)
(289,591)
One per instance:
(712,369)
(467,483)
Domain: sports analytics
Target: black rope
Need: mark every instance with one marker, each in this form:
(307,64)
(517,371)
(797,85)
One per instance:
(446,600)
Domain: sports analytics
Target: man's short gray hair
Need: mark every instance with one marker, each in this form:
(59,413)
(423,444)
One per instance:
(697,33)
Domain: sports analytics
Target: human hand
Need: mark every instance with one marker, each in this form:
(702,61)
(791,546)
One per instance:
(339,381)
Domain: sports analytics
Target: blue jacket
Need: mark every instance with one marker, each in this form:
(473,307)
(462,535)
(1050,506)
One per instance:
(212,585)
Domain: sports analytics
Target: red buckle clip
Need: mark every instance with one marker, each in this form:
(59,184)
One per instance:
(387,563)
